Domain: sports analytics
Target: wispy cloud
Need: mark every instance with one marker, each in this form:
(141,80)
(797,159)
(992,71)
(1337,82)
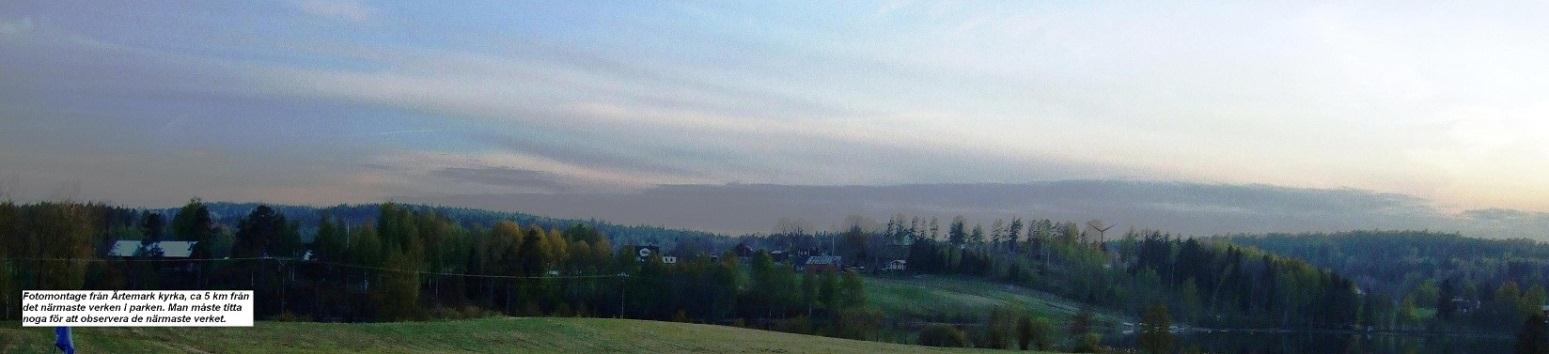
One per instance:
(348,10)
(504,177)
(1426,100)
(17,26)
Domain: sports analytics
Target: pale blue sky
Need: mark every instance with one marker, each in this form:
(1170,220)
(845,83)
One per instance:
(357,101)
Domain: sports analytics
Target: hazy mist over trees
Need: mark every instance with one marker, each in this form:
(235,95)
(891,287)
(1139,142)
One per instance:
(1184,208)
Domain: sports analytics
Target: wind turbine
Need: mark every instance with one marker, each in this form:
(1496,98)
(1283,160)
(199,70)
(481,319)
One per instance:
(1098,225)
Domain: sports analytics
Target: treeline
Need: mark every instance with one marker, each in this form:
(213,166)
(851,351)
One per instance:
(1426,279)
(309,218)
(410,263)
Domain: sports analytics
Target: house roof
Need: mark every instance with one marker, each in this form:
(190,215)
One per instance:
(823,260)
(124,248)
(177,249)
(169,249)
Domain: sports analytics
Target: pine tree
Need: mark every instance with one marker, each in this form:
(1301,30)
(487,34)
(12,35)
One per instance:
(152,226)
(997,233)
(1531,338)
(1155,330)
(259,233)
(1014,234)
(193,223)
(957,232)
(935,229)
(1445,308)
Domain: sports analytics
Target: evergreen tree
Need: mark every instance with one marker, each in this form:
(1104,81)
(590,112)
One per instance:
(1155,330)
(1531,338)
(1445,308)
(1014,234)
(8,237)
(193,223)
(330,242)
(152,226)
(997,233)
(259,233)
(957,232)
(935,229)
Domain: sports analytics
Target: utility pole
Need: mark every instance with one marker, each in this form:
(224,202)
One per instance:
(284,283)
(623,292)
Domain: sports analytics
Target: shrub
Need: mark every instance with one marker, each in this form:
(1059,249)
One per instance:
(798,324)
(943,336)
(999,329)
(471,311)
(1088,343)
(563,310)
(1041,333)
(1034,333)
(858,323)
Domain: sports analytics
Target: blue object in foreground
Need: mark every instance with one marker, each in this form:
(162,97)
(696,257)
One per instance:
(63,341)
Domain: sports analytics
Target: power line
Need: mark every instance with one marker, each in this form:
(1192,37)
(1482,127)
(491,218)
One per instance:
(138,259)
(337,264)
(583,276)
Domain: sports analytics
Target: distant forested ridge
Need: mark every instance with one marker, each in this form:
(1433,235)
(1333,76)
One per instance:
(308,218)
(1427,279)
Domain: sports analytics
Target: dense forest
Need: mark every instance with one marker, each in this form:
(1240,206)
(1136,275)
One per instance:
(1203,282)
(1426,279)
(411,263)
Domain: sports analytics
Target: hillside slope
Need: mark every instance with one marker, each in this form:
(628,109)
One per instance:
(936,297)
(489,335)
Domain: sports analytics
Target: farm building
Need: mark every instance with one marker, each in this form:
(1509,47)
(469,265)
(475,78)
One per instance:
(820,263)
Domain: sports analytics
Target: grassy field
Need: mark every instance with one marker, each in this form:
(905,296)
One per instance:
(929,296)
(490,335)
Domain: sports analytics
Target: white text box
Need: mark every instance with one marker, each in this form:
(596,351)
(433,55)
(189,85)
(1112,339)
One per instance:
(137,308)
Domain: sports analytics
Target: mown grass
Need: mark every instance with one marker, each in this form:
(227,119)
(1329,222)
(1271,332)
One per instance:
(488,335)
(950,296)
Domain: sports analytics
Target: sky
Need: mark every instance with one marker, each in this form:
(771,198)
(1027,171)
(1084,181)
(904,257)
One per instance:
(325,102)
